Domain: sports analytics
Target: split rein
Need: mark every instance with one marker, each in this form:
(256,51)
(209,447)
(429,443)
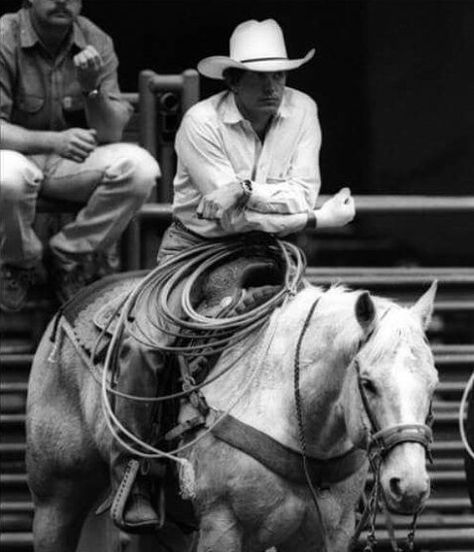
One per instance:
(380,443)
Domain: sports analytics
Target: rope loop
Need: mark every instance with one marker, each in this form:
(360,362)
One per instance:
(206,335)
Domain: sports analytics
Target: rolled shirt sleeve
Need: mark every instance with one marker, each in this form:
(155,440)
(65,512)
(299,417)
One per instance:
(7,60)
(109,79)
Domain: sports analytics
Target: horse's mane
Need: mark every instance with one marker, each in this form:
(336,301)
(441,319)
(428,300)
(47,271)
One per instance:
(395,324)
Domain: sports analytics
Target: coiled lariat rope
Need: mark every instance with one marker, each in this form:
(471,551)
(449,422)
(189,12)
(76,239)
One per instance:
(206,335)
(203,335)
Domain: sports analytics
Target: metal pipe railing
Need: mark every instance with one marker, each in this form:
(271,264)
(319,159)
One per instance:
(366,204)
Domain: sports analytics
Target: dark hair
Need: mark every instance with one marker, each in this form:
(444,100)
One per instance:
(232,75)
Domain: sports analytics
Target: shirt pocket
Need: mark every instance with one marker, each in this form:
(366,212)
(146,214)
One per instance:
(29,112)
(30,104)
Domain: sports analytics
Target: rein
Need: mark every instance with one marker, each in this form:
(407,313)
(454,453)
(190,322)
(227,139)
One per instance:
(380,443)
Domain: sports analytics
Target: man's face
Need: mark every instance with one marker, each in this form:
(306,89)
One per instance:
(55,13)
(258,94)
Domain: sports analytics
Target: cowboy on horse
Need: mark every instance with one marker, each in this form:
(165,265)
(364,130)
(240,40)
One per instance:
(248,164)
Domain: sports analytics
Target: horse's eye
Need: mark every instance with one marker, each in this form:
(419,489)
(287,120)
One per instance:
(369,386)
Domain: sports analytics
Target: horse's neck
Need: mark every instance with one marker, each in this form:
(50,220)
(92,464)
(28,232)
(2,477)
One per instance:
(259,389)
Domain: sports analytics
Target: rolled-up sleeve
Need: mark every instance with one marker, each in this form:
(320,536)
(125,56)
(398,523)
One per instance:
(237,221)
(6,76)
(109,79)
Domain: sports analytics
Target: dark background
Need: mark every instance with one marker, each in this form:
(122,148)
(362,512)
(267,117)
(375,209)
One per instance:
(393,79)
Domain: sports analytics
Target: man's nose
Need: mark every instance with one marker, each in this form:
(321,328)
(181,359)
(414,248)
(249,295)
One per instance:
(268,84)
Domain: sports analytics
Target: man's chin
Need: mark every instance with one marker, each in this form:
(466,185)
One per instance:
(269,109)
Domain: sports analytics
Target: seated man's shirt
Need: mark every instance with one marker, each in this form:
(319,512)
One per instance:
(216,146)
(39,92)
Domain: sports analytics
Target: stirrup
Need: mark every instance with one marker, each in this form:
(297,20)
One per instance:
(123,492)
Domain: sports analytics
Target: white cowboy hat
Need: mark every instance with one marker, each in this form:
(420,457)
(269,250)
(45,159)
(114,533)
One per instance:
(254,46)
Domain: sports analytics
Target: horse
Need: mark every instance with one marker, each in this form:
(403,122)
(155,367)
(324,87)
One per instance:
(333,375)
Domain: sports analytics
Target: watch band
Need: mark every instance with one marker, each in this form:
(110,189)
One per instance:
(246,187)
(312,221)
(91,94)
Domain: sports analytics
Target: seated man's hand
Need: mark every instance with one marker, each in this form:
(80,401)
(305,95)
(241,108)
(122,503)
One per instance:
(88,65)
(337,211)
(76,143)
(214,204)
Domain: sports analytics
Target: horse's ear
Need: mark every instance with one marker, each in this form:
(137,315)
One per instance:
(423,308)
(365,311)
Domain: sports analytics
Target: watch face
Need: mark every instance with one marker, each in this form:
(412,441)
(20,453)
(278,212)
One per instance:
(93,93)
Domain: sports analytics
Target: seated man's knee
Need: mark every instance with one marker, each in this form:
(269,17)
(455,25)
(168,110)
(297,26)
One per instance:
(137,165)
(19,177)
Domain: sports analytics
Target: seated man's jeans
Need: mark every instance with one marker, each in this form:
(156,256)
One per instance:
(112,184)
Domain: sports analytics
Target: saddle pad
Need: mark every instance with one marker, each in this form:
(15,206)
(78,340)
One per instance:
(89,311)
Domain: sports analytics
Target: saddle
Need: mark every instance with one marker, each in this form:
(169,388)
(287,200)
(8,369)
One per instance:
(242,284)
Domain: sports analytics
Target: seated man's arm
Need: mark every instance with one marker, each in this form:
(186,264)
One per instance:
(17,138)
(74,143)
(106,112)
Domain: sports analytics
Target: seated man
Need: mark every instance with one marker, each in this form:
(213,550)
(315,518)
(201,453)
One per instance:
(61,117)
(247,161)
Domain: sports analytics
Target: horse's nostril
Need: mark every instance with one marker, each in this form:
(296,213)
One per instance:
(395,486)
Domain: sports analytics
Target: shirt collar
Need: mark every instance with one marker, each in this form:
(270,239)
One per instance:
(29,37)
(231,114)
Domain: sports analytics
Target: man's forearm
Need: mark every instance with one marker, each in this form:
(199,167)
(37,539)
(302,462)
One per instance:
(287,197)
(17,138)
(108,117)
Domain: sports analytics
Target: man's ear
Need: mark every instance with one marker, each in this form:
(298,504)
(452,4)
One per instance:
(423,308)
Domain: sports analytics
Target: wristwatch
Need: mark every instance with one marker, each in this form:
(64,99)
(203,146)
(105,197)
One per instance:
(91,94)
(246,188)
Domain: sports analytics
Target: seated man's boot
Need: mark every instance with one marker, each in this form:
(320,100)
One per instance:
(132,509)
(15,283)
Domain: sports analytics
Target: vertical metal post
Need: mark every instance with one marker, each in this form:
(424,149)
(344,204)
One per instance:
(165,191)
(190,93)
(147,112)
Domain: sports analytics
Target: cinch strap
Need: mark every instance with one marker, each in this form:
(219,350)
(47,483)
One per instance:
(284,461)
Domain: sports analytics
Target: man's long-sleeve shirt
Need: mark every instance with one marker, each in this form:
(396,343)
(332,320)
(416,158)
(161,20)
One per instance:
(217,146)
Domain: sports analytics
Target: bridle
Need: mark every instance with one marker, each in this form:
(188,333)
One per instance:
(380,442)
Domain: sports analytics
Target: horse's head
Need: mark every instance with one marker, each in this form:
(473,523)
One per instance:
(388,392)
